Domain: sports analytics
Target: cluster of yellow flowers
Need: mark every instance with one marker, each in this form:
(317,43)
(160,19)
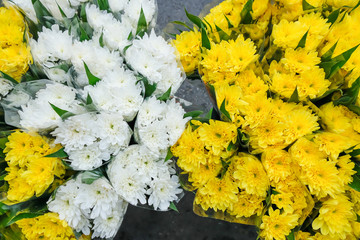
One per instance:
(29,171)
(14,51)
(286,87)
(47,226)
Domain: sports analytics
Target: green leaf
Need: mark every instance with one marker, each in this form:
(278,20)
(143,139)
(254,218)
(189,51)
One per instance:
(83,34)
(165,96)
(302,41)
(327,56)
(3,141)
(224,111)
(291,236)
(354,108)
(195,19)
(168,155)
(205,42)
(243,139)
(63,15)
(182,24)
(350,95)
(59,154)
(173,207)
(306,6)
(333,16)
(355,184)
(193,114)
(149,88)
(88,177)
(229,23)
(40,10)
(222,35)
(103,5)
(92,79)
(22,216)
(294,97)
(101,40)
(357,218)
(209,114)
(273,192)
(7,77)
(331,67)
(142,24)
(77,234)
(62,113)
(356,6)
(89,100)
(83,13)
(245,14)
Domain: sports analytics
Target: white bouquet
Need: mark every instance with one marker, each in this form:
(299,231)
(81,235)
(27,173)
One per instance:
(108,101)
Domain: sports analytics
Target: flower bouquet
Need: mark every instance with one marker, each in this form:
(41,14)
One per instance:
(281,151)
(89,127)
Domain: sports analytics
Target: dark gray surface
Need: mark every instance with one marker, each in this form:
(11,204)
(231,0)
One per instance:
(144,224)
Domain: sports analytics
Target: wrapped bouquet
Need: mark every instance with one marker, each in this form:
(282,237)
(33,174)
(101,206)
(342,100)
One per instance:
(89,127)
(281,151)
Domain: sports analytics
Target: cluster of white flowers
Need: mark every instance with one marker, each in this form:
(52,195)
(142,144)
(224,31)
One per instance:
(139,176)
(155,59)
(96,98)
(89,139)
(59,95)
(159,124)
(93,206)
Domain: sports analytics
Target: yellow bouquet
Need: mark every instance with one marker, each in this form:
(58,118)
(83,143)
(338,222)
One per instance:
(281,151)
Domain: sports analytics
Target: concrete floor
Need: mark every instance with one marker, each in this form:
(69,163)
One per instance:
(144,224)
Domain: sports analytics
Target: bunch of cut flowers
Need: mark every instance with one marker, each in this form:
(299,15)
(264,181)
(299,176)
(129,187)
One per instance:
(281,151)
(89,127)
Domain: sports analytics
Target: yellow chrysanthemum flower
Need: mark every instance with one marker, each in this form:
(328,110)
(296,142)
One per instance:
(47,226)
(333,144)
(334,217)
(188,45)
(306,152)
(346,169)
(300,60)
(251,176)
(29,171)
(342,3)
(190,150)
(257,109)
(300,235)
(288,34)
(312,83)
(15,54)
(283,201)
(247,205)
(277,164)
(206,172)
(250,83)
(222,192)
(277,225)
(323,179)
(217,135)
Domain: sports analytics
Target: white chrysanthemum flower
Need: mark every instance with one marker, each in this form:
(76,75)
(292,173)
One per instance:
(113,131)
(117,93)
(90,52)
(28,8)
(88,157)
(52,45)
(155,59)
(57,94)
(133,8)
(163,191)
(159,125)
(5,87)
(128,183)
(53,7)
(57,75)
(64,204)
(116,34)
(76,131)
(96,18)
(108,227)
(99,199)
(117,5)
